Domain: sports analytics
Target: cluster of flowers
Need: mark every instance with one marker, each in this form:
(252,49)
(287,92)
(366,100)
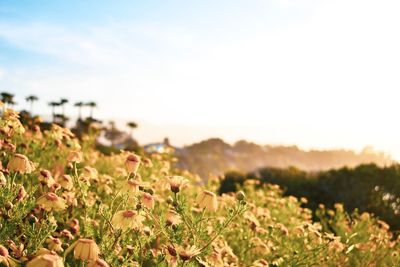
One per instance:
(63,203)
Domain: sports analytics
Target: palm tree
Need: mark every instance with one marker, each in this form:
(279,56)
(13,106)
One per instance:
(79,105)
(132,125)
(7,98)
(31,99)
(113,134)
(61,119)
(91,105)
(63,101)
(53,105)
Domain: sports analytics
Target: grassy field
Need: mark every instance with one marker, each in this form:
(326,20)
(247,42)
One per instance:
(63,203)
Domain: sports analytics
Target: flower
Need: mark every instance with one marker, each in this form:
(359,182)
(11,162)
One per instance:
(67,234)
(90,173)
(177,183)
(54,244)
(132,163)
(98,263)
(208,200)
(173,218)
(85,249)
(20,163)
(75,156)
(131,187)
(187,253)
(45,178)
(66,182)
(51,201)
(74,226)
(49,260)
(128,219)
(5,258)
(148,200)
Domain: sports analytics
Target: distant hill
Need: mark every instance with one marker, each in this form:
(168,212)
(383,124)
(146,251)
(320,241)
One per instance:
(214,156)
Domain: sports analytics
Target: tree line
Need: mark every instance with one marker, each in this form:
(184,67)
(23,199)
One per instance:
(366,187)
(118,138)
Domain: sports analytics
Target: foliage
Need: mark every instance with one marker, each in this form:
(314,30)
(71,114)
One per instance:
(63,203)
(366,187)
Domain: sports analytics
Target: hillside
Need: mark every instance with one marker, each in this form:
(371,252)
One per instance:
(214,156)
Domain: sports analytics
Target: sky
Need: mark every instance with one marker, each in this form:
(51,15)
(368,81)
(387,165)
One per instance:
(314,73)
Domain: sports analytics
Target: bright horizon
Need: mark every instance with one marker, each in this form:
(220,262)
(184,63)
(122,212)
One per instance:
(317,74)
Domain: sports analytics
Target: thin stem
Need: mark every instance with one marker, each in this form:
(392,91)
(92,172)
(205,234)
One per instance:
(237,211)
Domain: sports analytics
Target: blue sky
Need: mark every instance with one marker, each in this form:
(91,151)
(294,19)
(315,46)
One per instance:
(318,74)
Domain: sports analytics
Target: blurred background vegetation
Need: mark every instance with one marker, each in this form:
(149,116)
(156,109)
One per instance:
(366,187)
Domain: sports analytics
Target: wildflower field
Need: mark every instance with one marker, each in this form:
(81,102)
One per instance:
(63,203)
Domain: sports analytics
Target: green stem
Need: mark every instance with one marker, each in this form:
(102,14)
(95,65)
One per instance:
(237,211)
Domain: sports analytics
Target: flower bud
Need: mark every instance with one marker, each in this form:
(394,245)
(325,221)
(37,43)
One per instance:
(172,250)
(8,205)
(132,163)
(240,195)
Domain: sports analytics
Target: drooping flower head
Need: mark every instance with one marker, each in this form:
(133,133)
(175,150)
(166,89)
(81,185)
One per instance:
(208,200)
(75,156)
(131,187)
(148,200)
(51,201)
(173,218)
(46,178)
(90,173)
(66,182)
(54,244)
(50,259)
(21,164)
(127,219)
(85,249)
(5,258)
(132,163)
